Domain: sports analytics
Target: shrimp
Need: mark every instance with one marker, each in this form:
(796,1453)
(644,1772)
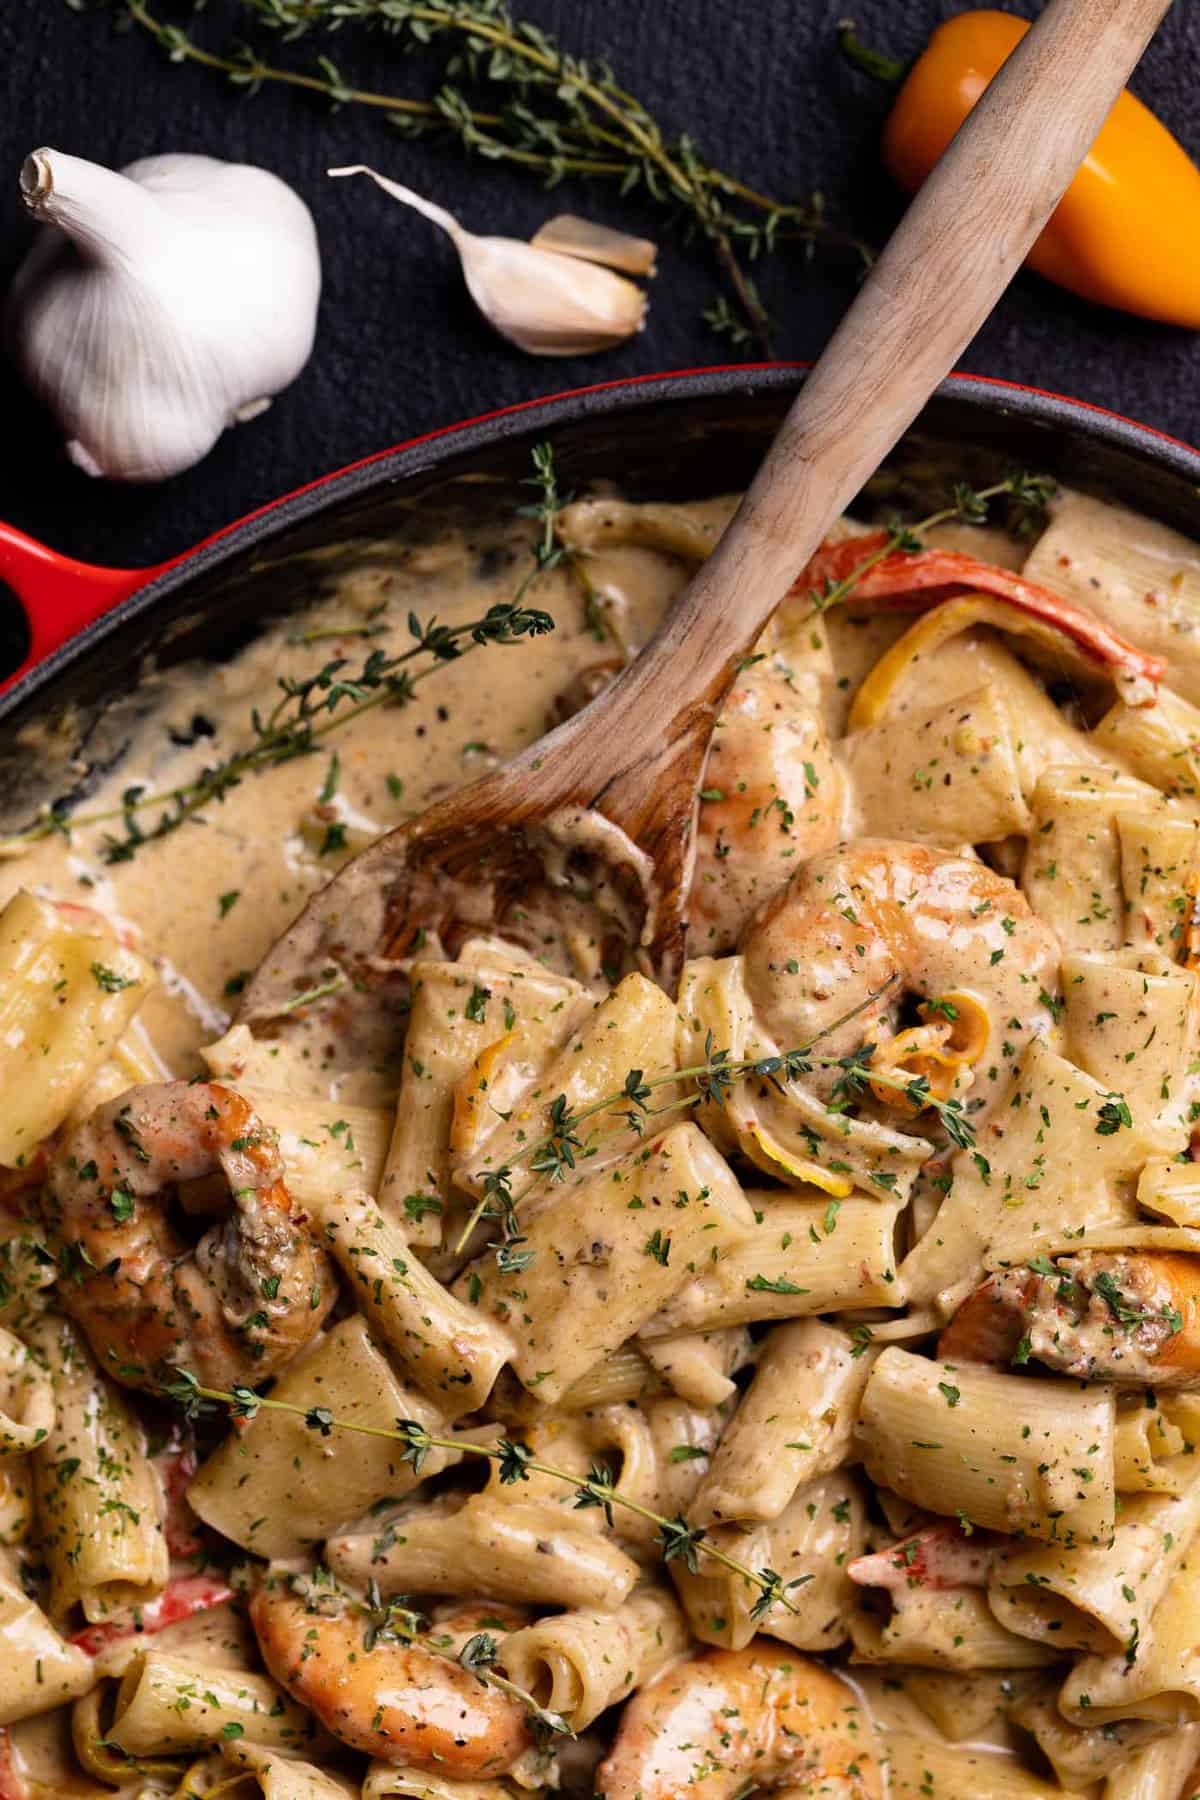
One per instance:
(936,1556)
(862,927)
(726,1720)
(772,796)
(235,1309)
(1131,1317)
(391,1699)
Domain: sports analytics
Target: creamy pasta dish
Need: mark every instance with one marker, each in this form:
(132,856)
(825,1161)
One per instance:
(789,1384)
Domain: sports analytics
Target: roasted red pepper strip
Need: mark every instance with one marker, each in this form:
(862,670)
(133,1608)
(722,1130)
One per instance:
(914,580)
(181,1599)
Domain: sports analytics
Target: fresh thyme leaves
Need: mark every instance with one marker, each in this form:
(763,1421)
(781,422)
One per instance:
(559,1151)
(676,1537)
(1027,496)
(309,708)
(508,92)
(393,1621)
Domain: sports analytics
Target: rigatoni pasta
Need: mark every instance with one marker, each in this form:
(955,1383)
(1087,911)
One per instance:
(98,1500)
(788,1381)
(1007,1454)
(68,989)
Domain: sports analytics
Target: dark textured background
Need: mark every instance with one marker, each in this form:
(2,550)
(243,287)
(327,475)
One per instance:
(760,85)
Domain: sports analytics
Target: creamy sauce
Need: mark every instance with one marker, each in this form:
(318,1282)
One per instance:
(207,901)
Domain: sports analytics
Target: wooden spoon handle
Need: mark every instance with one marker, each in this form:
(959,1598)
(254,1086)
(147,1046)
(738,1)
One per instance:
(955,251)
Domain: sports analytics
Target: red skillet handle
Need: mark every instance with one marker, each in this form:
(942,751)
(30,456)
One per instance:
(59,595)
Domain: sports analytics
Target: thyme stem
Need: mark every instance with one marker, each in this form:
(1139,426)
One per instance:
(516,1464)
(545,1158)
(969,504)
(592,126)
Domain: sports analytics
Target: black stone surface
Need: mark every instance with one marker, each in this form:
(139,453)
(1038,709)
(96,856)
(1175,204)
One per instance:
(400,348)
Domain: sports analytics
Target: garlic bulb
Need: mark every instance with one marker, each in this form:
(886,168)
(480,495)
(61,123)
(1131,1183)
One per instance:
(542,301)
(163,304)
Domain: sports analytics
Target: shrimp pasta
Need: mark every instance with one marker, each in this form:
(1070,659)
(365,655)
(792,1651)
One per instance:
(494,1375)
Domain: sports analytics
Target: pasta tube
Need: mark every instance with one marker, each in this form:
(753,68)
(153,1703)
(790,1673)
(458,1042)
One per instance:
(580,1663)
(1072,874)
(633,1028)
(1098,1597)
(1158,855)
(941,1628)
(919,1767)
(1110,561)
(604,1257)
(625,1375)
(1157,1673)
(41,1670)
(1014,1201)
(809,1546)
(794,1423)
(1159,743)
(278,1775)
(26,1399)
(698,1365)
(964,1706)
(169,1704)
(1164,1770)
(510,1549)
(99,1502)
(963,750)
(1130,1022)
(327,1149)
(801,1256)
(1005,1452)
(1156,1444)
(385,1780)
(276,1487)
(1078,1754)
(452,1352)
(16,1499)
(66,996)
(511,1010)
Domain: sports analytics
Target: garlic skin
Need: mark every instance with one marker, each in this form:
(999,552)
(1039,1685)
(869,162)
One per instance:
(545,303)
(160,304)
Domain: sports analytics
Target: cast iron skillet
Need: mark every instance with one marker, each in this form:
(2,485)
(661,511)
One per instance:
(85,638)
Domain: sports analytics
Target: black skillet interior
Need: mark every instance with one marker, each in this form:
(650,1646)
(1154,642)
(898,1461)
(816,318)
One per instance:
(668,437)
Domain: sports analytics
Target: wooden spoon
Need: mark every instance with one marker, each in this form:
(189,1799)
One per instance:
(636,754)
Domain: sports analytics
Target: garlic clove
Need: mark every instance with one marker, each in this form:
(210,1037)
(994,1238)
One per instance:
(545,303)
(160,304)
(569,235)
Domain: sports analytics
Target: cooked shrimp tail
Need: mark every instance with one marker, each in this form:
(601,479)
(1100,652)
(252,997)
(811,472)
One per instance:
(235,1309)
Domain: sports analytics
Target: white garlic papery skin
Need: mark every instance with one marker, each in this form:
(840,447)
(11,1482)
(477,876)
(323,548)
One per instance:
(160,304)
(545,303)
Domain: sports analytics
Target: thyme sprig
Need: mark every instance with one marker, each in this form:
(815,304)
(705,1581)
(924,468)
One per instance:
(677,1538)
(543,110)
(393,1621)
(1027,495)
(311,707)
(553,1156)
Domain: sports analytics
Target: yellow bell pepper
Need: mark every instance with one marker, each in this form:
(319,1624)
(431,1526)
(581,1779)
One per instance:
(1127,231)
